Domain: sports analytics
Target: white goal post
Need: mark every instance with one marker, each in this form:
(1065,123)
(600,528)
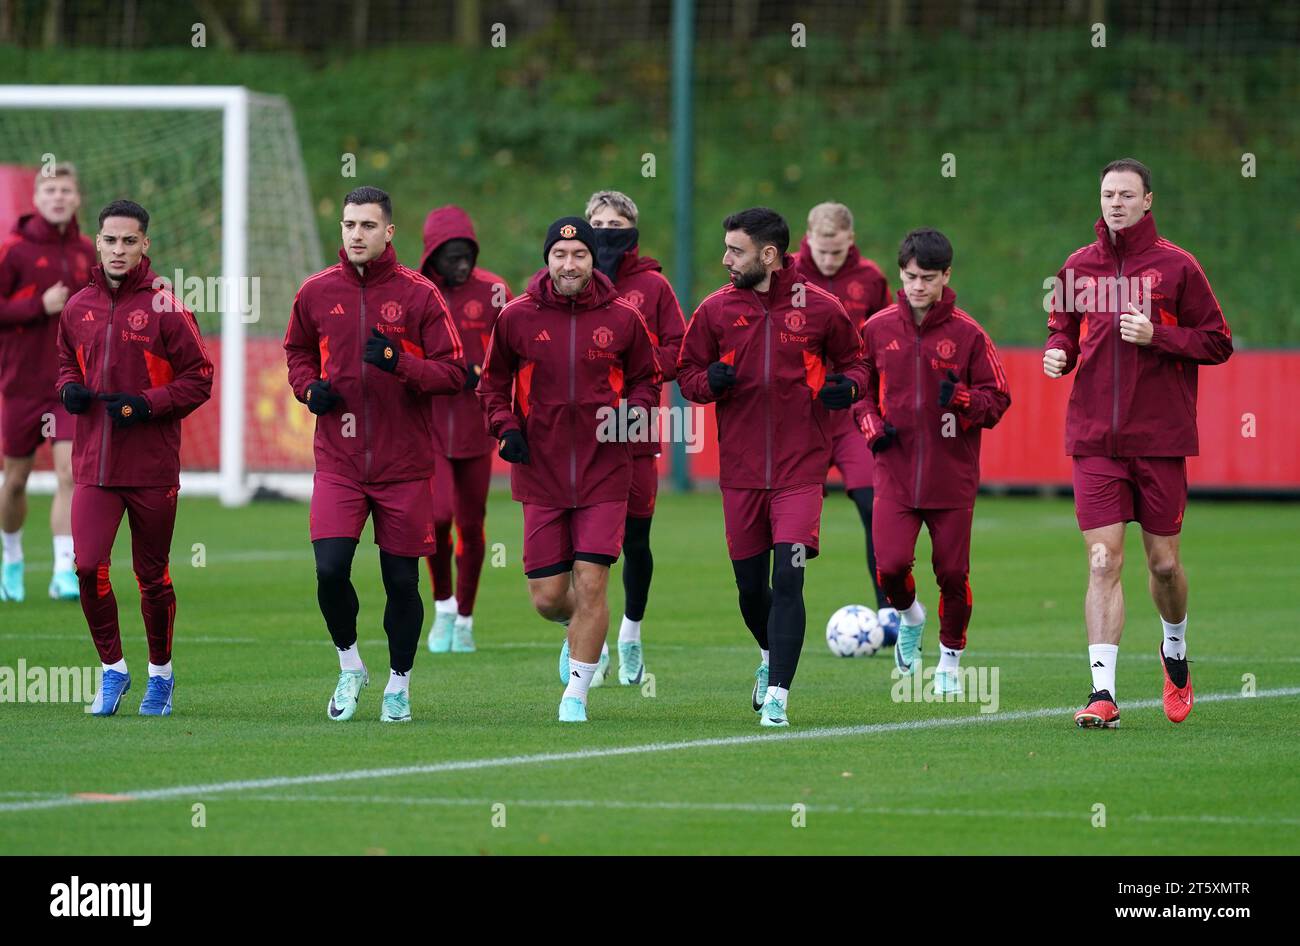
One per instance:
(231,482)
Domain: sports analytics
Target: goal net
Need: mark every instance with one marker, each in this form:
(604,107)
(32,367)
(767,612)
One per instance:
(232,229)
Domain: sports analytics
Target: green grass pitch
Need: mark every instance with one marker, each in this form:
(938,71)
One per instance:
(687,770)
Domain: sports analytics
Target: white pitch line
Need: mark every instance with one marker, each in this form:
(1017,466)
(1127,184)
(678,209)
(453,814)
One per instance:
(748,808)
(464,765)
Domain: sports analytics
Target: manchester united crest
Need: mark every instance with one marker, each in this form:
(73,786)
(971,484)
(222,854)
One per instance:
(795,321)
(856,291)
(946,348)
(138,319)
(568,231)
(391,311)
(636,297)
(473,309)
(603,336)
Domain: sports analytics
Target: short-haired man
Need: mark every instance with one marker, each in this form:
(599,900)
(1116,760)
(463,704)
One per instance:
(775,354)
(640,280)
(1136,314)
(829,257)
(131,365)
(936,382)
(369,343)
(45,260)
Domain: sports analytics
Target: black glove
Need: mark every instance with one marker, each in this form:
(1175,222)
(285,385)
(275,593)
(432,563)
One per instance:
(380,352)
(76,397)
(513,447)
(320,398)
(627,419)
(721,376)
(126,410)
(885,440)
(838,392)
(472,376)
(947,386)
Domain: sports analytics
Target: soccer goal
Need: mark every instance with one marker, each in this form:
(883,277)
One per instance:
(220,171)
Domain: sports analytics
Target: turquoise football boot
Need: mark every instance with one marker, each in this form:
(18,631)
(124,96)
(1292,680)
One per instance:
(396,708)
(760,688)
(64,587)
(441,632)
(631,668)
(573,710)
(773,713)
(11,583)
(907,651)
(343,704)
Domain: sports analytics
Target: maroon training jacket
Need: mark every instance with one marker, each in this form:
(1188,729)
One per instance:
(935,461)
(640,280)
(773,430)
(863,290)
(552,364)
(458,428)
(1135,400)
(382,430)
(32,259)
(134,340)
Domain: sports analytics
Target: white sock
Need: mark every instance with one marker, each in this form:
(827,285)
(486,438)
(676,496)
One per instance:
(398,682)
(781,693)
(914,615)
(466,621)
(1102,659)
(949,659)
(13,546)
(580,675)
(63,561)
(120,666)
(629,630)
(1176,639)
(764,653)
(446,605)
(350,659)
(163,670)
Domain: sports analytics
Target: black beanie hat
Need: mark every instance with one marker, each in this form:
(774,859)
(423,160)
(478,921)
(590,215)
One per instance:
(569,228)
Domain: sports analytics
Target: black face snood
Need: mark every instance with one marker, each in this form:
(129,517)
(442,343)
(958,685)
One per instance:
(611,244)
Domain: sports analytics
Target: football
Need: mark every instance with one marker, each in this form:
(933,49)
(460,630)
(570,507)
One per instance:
(853,631)
(889,620)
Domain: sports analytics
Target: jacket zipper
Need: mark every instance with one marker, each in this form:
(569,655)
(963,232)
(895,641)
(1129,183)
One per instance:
(1114,412)
(573,369)
(108,345)
(365,403)
(767,390)
(920,422)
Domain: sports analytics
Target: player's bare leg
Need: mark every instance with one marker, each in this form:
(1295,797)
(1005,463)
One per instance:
(13,513)
(63,583)
(1103,611)
(1168,583)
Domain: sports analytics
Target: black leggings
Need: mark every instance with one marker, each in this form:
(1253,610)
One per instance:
(403,614)
(638,567)
(774,614)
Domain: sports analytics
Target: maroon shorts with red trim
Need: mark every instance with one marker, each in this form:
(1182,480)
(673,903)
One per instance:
(758,519)
(850,453)
(558,535)
(645,487)
(26,422)
(403,512)
(1151,491)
